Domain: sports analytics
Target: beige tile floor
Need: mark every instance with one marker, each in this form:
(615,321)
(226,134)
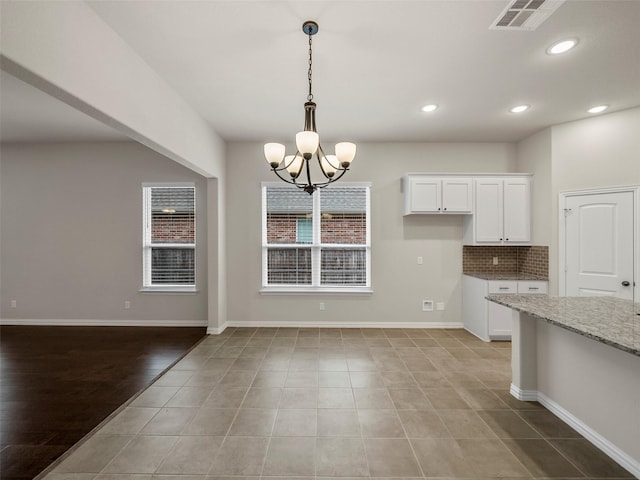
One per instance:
(350,403)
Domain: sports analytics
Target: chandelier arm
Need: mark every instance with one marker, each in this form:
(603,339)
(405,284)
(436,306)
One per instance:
(309,108)
(307,166)
(307,188)
(337,176)
(277,172)
(313,119)
(321,151)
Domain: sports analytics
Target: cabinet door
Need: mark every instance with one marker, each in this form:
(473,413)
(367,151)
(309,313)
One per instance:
(499,321)
(517,210)
(456,195)
(488,210)
(425,194)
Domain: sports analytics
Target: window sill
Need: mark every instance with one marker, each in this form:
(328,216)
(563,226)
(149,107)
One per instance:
(170,290)
(315,291)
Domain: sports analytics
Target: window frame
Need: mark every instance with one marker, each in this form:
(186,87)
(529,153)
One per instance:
(316,248)
(147,245)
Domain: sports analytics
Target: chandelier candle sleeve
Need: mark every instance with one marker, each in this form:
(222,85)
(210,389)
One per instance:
(299,165)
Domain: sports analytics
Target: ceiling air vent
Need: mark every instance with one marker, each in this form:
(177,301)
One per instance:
(525,14)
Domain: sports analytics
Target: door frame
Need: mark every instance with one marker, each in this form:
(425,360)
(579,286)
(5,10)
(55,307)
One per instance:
(562,247)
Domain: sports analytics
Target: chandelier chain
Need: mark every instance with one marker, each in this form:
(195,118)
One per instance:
(310,96)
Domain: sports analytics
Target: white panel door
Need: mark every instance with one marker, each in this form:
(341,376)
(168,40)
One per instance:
(599,245)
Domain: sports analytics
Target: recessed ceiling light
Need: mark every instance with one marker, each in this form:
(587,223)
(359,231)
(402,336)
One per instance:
(598,109)
(563,46)
(429,108)
(519,108)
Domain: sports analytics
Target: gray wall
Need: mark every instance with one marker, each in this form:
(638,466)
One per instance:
(399,283)
(597,152)
(71,245)
(534,156)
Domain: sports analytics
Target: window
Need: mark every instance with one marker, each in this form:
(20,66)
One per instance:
(318,242)
(169,244)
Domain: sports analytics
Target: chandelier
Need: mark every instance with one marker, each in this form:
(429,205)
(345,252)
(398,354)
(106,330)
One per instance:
(296,169)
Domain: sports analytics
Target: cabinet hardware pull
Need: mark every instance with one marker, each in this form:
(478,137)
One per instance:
(504,288)
(534,288)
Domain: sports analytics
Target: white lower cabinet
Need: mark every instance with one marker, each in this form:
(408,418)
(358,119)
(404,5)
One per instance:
(499,318)
(488,320)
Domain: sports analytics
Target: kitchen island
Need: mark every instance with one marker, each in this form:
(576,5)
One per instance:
(580,358)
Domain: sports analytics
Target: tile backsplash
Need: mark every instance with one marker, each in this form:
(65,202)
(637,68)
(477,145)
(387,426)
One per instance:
(532,260)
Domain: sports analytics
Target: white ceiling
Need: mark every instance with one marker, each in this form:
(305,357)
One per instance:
(242,65)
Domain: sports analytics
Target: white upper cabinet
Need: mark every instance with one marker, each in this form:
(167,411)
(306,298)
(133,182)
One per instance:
(489,193)
(517,210)
(428,194)
(502,214)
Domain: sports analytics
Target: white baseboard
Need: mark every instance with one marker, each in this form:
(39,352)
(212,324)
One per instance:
(620,457)
(524,395)
(217,331)
(78,322)
(272,324)
(476,335)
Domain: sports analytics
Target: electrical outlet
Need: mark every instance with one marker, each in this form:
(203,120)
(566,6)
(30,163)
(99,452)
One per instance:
(322,306)
(440,306)
(427,305)
(495,260)
(14,304)
(127,304)
(419,260)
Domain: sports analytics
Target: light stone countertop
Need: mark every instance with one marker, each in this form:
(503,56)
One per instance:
(505,276)
(608,320)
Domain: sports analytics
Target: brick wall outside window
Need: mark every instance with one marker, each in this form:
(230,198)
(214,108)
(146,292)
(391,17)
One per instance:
(339,228)
(172,228)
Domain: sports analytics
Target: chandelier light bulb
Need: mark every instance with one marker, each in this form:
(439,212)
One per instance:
(307,143)
(329,164)
(346,152)
(293,164)
(274,153)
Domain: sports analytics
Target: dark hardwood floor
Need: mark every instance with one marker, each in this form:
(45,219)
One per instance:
(58,383)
